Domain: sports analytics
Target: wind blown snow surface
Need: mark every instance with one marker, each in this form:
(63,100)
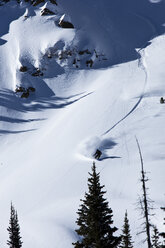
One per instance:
(47,140)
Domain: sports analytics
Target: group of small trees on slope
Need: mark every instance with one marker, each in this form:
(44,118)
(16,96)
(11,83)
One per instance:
(95,221)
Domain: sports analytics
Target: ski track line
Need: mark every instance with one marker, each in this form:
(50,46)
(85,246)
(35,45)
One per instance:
(143,67)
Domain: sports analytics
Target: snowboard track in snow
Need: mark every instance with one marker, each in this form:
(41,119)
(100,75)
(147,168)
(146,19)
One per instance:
(141,64)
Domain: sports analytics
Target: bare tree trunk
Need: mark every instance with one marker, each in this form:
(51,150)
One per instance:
(145,200)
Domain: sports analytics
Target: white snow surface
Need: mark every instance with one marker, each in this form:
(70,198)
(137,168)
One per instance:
(47,140)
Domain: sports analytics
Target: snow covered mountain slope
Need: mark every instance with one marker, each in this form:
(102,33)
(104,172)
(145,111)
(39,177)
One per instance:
(85,98)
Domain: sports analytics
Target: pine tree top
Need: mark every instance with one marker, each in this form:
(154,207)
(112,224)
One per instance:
(126,241)
(95,217)
(14,230)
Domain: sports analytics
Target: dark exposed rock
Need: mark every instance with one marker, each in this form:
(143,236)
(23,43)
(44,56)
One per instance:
(25,91)
(64,24)
(23,68)
(46,11)
(37,73)
(64,54)
(49,56)
(25,94)
(84,51)
(32,89)
(89,62)
(74,61)
(19,89)
(69,53)
(36,2)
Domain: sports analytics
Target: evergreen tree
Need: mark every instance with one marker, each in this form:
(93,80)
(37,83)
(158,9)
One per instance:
(126,241)
(14,230)
(95,218)
(163,233)
(155,238)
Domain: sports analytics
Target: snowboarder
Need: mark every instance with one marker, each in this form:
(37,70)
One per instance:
(162,100)
(97,154)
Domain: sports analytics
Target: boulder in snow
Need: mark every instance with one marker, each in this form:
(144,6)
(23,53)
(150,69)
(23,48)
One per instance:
(19,89)
(37,2)
(84,51)
(46,11)
(89,62)
(25,94)
(23,68)
(32,89)
(65,22)
(37,73)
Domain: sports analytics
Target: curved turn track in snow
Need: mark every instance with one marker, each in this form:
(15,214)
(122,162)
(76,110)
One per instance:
(47,141)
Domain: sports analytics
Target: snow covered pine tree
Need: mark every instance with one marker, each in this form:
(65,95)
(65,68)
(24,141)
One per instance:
(95,218)
(14,230)
(126,241)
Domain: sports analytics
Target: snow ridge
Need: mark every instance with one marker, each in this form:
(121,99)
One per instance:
(95,86)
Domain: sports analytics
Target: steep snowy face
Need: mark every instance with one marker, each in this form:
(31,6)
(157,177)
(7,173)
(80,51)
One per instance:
(117,27)
(103,33)
(26,42)
(61,100)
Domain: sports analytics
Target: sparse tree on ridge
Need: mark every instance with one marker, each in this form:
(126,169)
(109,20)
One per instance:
(95,217)
(145,201)
(126,241)
(14,230)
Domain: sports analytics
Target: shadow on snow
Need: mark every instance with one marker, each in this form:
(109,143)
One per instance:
(14,132)
(9,100)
